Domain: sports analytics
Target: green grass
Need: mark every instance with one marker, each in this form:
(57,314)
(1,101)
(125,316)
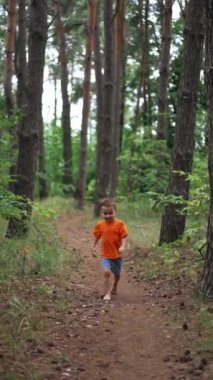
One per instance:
(143,222)
(41,252)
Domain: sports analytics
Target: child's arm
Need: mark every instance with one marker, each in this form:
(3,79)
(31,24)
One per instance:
(95,241)
(123,244)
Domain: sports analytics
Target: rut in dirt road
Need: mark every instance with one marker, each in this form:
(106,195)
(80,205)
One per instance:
(138,335)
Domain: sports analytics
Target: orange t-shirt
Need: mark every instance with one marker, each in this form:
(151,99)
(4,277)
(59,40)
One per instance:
(111,235)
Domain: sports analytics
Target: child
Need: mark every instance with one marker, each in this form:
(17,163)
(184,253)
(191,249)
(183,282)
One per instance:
(113,234)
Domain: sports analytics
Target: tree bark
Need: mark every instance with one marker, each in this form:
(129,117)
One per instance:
(20,56)
(81,184)
(173,221)
(99,100)
(9,51)
(66,128)
(43,193)
(118,66)
(8,73)
(29,131)
(21,71)
(105,167)
(146,108)
(164,71)
(206,281)
(140,91)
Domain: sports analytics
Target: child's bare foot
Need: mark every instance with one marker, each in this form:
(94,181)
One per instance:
(107,297)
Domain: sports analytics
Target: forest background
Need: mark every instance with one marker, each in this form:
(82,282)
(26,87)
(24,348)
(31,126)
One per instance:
(139,74)
(144,78)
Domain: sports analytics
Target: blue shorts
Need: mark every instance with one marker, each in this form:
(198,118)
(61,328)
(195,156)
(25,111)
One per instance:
(113,264)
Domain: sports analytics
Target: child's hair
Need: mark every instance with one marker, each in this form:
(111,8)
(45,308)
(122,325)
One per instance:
(108,202)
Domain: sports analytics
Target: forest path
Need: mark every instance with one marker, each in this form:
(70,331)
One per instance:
(146,332)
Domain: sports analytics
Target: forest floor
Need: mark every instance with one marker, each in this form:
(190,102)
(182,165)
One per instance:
(149,330)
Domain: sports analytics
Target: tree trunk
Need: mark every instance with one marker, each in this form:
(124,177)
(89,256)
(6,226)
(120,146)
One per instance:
(146,108)
(184,8)
(99,100)
(21,72)
(118,66)
(29,131)
(206,281)
(41,159)
(55,97)
(67,146)
(81,184)
(173,221)
(20,59)
(104,174)
(9,51)
(140,90)
(164,71)
(8,73)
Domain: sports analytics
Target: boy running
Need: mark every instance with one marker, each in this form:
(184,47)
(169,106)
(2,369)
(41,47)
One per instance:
(113,234)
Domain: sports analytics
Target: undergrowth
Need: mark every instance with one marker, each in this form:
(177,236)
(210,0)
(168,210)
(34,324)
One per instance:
(41,252)
(170,261)
(32,275)
(206,321)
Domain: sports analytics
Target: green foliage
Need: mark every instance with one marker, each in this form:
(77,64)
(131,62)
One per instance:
(148,167)
(196,207)
(198,204)
(54,159)
(10,205)
(6,125)
(41,253)
(169,261)
(159,200)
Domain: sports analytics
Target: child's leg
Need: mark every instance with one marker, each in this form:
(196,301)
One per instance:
(107,288)
(116,269)
(115,284)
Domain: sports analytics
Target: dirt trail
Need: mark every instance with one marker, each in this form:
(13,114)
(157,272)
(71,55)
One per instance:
(145,332)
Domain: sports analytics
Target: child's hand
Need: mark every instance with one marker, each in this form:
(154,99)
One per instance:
(121,249)
(94,252)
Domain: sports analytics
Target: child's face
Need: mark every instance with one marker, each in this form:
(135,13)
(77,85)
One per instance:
(108,213)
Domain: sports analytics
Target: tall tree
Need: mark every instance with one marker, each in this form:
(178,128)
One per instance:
(118,72)
(20,56)
(9,52)
(105,167)
(20,70)
(8,73)
(173,221)
(42,182)
(81,184)
(164,71)
(99,96)
(66,127)
(184,4)
(146,107)
(141,92)
(206,281)
(29,128)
